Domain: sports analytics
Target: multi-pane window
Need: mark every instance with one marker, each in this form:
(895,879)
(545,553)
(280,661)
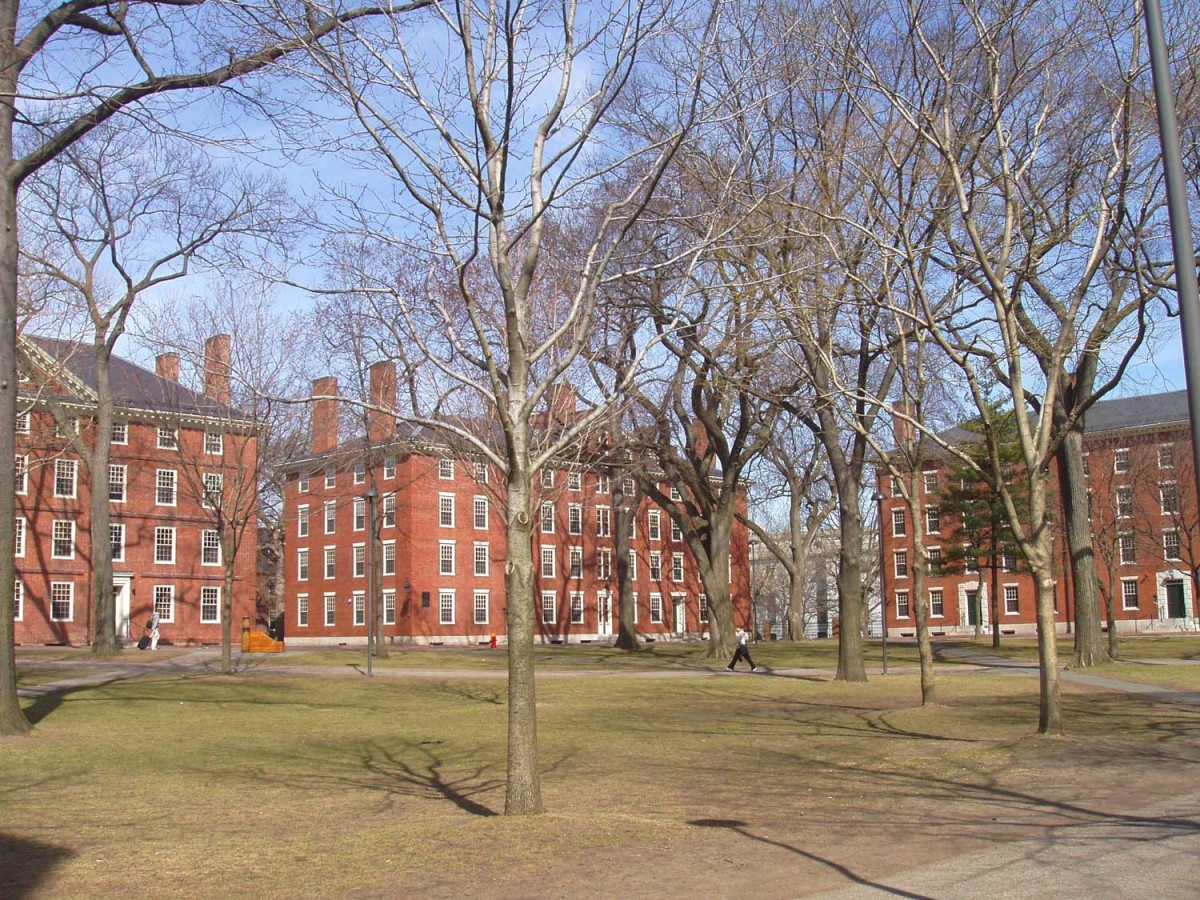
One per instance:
(330,609)
(302,482)
(1121,461)
(575,518)
(576,562)
(18,600)
(389,468)
(1168,495)
(68,428)
(65,474)
(165,484)
(481,607)
(675,494)
(446,510)
(1008,560)
(62,544)
(656,609)
(676,532)
(902,610)
(702,602)
(19,536)
(168,438)
(547,518)
(481,559)
(655,566)
(330,516)
(547,562)
(210,548)
(604,564)
(446,469)
(360,560)
(1129,593)
(446,607)
(654,525)
(574,481)
(632,527)
(214,443)
(445,557)
(302,610)
(164,602)
(359,601)
(937,603)
(360,514)
(21,474)
(1087,465)
(331,477)
(933,520)
(576,607)
(633,565)
(895,487)
(603,484)
(210,604)
(549,607)
(164,545)
(330,562)
(23,422)
(931,481)
(389,558)
(677,567)
(900,563)
(1012,600)
(302,521)
(627,487)
(389,607)
(603,521)
(389,511)
(62,601)
(1171,545)
(481,473)
(117,476)
(302,565)
(934,555)
(480,510)
(1127,545)
(360,473)
(1166,456)
(899,522)
(214,487)
(547,476)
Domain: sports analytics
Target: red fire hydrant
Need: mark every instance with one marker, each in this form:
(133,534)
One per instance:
(493,641)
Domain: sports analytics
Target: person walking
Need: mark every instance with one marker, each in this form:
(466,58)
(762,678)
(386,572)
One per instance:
(152,625)
(742,651)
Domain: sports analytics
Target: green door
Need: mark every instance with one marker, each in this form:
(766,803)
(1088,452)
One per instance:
(972,607)
(1176,605)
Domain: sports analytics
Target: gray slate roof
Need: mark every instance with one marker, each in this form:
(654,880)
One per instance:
(1138,412)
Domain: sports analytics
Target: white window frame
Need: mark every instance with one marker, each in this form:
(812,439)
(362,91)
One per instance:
(212,486)
(389,468)
(633,568)
(20,528)
(69,527)
(480,512)
(67,587)
(329,562)
(118,477)
(551,608)
(360,514)
(655,565)
(360,473)
(482,559)
(481,472)
(168,438)
(481,601)
(389,606)
(604,521)
(940,596)
(933,520)
(899,521)
(1014,595)
(302,564)
(18,600)
(677,567)
(575,519)
(214,443)
(1171,532)
(302,610)
(446,601)
(1124,594)
(575,563)
(656,609)
(360,560)
(654,525)
(358,601)
(1168,498)
(546,517)
(166,482)
(214,592)
(547,478)
(604,564)
(1169,455)
(329,601)
(165,531)
(548,565)
(330,512)
(164,602)
(330,476)
(22,423)
(1127,540)
(702,609)
(21,473)
(445,469)
(447,558)
(388,561)
(302,524)
(575,608)
(575,481)
(902,605)
(446,516)
(899,563)
(66,470)
(1121,461)
(388,511)
(603,484)
(210,539)
(302,484)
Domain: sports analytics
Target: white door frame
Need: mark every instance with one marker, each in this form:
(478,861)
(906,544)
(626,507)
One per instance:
(680,612)
(604,614)
(122,593)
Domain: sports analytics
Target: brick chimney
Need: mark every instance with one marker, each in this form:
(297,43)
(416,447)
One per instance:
(902,432)
(561,403)
(699,436)
(324,414)
(216,368)
(166,365)
(381,426)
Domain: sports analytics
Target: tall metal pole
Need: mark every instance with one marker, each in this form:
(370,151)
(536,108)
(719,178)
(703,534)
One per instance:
(879,497)
(370,494)
(1181,223)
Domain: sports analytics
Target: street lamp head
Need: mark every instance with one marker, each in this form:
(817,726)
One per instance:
(370,493)
(879,496)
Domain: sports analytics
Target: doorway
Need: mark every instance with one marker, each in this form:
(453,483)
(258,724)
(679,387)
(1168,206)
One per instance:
(122,590)
(680,614)
(1176,600)
(604,614)
(972,608)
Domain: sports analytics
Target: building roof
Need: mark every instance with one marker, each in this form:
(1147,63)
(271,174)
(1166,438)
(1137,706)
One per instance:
(1138,412)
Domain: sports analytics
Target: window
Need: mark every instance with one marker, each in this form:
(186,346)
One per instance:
(655,566)
(576,563)
(18,600)
(164,602)
(676,533)
(547,562)
(1168,495)
(933,520)
(165,487)
(481,513)
(360,514)
(1127,546)
(547,478)
(900,563)
(604,564)
(446,510)
(481,607)
(62,540)
(603,484)
(360,473)
(330,609)
(549,607)
(574,481)
(677,567)
(1129,593)
(214,488)
(576,607)
(603,521)
(937,604)
(23,423)
(330,562)
(575,518)
(302,483)
(214,443)
(302,610)
(895,486)
(674,493)
(481,473)
(1171,545)
(168,438)
(389,607)
(633,565)
(359,601)
(164,545)
(65,472)
(1087,465)
(902,610)
(1121,460)
(210,604)
(302,565)
(331,477)
(1124,503)
(389,558)
(19,536)
(21,474)
(702,601)
(1012,600)
(360,560)
(446,469)
(931,482)
(547,518)
(970,562)
(1166,456)
(445,557)
(330,516)
(389,511)
(899,523)
(302,521)
(934,555)
(1008,560)
(481,559)
(210,548)
(62,601)
(117,476)
(632,525)
(389,468)
(656,609)
(654,525)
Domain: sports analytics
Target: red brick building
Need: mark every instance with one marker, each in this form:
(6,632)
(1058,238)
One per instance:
(1145,533)
(169,445)
(442,543)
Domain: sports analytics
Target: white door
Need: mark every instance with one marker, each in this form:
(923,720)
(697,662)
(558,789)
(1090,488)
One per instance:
(681,615)
(603,614)
(121,592)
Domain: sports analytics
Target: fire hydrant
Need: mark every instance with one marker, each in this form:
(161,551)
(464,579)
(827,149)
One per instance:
(493,641)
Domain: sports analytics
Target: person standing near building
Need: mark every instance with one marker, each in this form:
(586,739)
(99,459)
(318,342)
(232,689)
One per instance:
(742,651)
(152,625)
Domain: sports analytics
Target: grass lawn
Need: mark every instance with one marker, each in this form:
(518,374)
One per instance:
(201,785)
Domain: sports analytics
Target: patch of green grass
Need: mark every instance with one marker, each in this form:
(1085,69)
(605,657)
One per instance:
(1175,677)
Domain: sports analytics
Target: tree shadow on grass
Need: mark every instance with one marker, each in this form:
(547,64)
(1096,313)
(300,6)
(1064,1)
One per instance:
(25,864)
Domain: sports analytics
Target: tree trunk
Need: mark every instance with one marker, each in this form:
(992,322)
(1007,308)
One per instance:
(715,575)
(850,605)
(228,558)
(994,599)
(1089,648)
(920,597)
(104,635)
(625,510)
(1113,644)
(795,614)
(376,599)
(1049,707)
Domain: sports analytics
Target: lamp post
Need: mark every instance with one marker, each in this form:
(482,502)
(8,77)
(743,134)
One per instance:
(879,497)
(370,495)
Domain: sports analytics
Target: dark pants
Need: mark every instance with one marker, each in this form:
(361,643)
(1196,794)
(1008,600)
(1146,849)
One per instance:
(742,652)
